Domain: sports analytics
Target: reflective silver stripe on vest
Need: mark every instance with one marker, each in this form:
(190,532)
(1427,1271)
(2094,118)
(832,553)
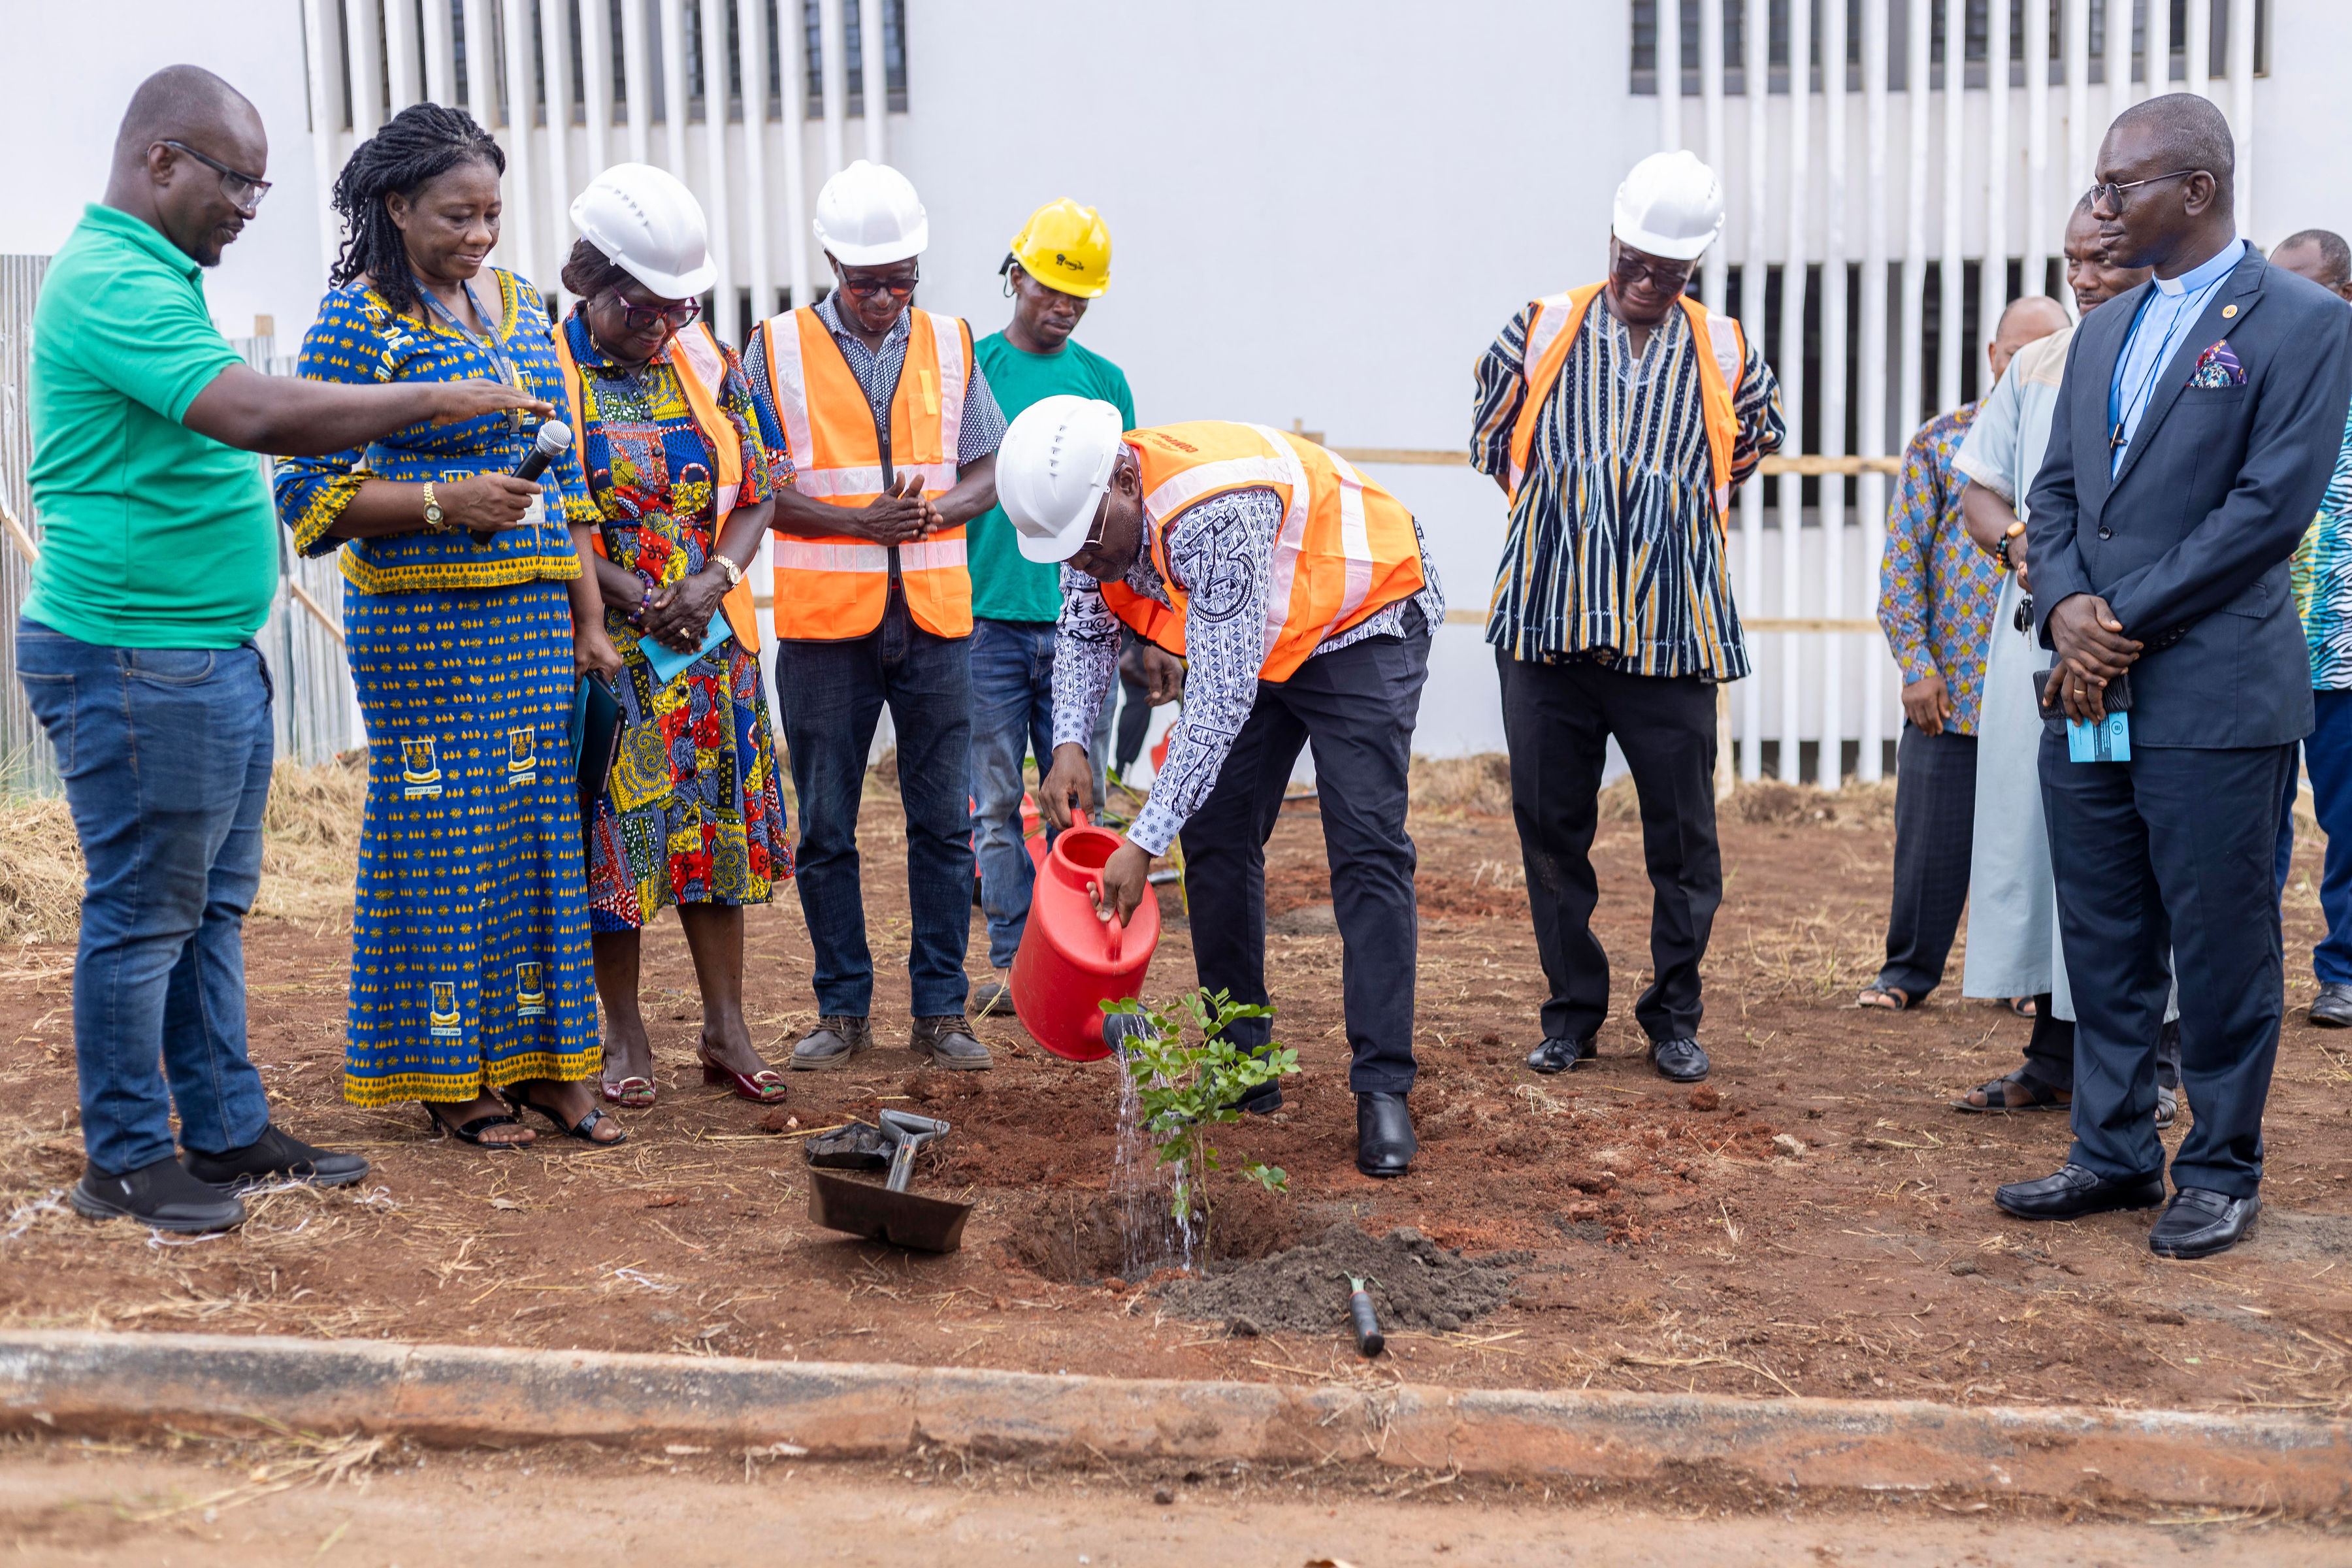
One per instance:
(931,555)
(823,483)
(1552,315)
(1355,542)
(813,555)
(947,341)
(1282,566)
(788,390)
(699,350)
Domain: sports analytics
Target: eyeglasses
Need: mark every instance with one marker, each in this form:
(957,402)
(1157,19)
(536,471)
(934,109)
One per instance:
(243,191)
(2112,192)
(1666,277)
(645,318)
(897,287)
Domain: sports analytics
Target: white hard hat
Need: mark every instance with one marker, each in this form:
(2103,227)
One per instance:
(649,225)
(1051,469)
(1671,204)
(868,215)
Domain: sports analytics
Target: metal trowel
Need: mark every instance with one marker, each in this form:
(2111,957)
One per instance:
(890,1213)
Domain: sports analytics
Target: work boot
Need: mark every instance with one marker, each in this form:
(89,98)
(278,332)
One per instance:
(161,1195)
(948,1042)
(275,1156)
(1385,1144)
(994,997)
(829,1046)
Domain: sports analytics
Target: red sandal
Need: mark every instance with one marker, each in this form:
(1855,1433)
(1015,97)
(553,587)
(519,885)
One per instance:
(630,1093)
(765,1086)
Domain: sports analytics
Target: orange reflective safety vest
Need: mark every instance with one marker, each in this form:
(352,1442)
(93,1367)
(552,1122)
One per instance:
(1346,549)
(835,587)
(1553,333)
(701,370)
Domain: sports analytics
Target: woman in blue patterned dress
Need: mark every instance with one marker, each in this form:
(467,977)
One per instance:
(683,463)
(469,614)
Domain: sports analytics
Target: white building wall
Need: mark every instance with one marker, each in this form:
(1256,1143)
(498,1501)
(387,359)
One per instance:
(1323,209)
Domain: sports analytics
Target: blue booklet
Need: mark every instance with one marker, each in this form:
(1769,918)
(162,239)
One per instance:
(2107,740)
(667,663)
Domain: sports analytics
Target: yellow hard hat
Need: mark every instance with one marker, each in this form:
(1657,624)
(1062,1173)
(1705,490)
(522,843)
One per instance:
(1065,245)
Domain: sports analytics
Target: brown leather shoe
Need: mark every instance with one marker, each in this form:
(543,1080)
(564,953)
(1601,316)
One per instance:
(829,1046)
(949,1043)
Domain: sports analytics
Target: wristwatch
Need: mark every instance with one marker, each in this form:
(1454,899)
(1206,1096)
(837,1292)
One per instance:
(434,519)
(734,572)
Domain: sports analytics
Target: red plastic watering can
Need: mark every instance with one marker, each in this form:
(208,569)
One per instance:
(1071,959)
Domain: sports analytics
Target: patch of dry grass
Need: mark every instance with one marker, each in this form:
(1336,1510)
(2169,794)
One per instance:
(1480,784)
(310,858)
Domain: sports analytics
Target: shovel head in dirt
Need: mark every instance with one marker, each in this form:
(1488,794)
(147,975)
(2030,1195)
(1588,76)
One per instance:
(890,1213)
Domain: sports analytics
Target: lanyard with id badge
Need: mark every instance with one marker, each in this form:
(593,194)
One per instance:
(509,374)
(2103,739)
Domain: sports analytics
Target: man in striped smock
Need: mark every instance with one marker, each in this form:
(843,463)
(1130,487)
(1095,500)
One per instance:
(1619,418)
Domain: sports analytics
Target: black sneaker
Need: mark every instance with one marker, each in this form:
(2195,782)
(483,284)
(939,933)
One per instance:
(162,1196)
(275,1156)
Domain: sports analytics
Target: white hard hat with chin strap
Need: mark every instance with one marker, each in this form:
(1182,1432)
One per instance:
(1053,469)
(1670,206)
(868,215)
(648,224)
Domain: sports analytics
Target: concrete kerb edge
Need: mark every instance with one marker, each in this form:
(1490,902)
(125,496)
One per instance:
(72,1381)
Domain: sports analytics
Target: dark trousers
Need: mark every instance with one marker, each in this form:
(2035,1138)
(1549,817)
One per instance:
(1356,708)
(2147,854)
(1557,719)
(1935,819)
(2049,1051)
(1134,723)
(831,694)
(2327,753)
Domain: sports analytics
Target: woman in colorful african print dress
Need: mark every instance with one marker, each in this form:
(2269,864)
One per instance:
(684,465)
(468,614)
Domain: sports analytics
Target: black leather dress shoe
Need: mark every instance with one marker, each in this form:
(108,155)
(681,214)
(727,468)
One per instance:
(1680,1060)
(1562,1055)
(2201,1222)
(2334,1008)
(1262,1101)
(161,1196)
(2075,1190)
(1384,1141)
(275,1156)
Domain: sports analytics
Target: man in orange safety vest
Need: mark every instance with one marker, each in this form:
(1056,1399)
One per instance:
(1299,593)
(893,435)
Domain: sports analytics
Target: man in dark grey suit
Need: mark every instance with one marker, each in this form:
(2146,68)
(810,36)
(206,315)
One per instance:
(2193,437)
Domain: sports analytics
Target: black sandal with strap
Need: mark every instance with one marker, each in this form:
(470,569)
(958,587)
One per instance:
(2039,1095)
(585,1129)
(471,1132)
(1897,1001)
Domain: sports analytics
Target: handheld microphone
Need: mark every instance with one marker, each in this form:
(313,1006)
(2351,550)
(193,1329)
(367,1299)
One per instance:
(554,440)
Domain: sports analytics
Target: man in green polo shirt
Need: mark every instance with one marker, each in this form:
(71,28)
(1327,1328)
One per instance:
(158,565)
(1060,261)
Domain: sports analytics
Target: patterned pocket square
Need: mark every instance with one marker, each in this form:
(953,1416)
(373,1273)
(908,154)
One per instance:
(2218,366)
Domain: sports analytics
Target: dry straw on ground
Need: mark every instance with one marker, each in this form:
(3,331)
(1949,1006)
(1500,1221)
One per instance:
(309,857)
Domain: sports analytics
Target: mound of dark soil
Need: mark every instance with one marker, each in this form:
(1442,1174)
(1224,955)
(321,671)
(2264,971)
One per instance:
(1414,1283)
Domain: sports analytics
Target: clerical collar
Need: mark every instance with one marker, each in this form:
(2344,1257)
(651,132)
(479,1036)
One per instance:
(2204,272)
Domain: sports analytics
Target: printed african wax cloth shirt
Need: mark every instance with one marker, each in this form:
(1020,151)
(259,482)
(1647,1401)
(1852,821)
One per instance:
(2323,578)
(360,341)
(470,966)
(693,813)
(1937,589)
(1615,553)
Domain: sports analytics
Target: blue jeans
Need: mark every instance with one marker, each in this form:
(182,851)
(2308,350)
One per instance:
(165,755)
(831,695)
(1012,716)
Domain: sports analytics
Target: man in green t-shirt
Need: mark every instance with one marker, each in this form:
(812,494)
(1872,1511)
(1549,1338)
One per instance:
(1060,261)
(158,564)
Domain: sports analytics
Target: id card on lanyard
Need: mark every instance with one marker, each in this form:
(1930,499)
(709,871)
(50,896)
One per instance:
(510,374)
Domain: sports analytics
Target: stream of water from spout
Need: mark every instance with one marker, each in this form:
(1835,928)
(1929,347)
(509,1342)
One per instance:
(1144,1189)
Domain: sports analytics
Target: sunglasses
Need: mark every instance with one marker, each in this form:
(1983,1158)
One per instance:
(897,287)
(645,318)
(243,191)
(2112,193)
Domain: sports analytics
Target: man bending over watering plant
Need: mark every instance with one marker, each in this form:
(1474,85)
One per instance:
(1300,594)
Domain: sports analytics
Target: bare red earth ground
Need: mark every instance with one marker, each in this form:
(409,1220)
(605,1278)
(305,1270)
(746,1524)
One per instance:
(1677,1243)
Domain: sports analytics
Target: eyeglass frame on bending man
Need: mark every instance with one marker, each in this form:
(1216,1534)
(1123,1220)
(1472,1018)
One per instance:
(230,179)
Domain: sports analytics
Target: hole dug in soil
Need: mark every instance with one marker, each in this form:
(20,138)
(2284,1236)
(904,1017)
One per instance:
(1414,1284)
(1080,1238)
